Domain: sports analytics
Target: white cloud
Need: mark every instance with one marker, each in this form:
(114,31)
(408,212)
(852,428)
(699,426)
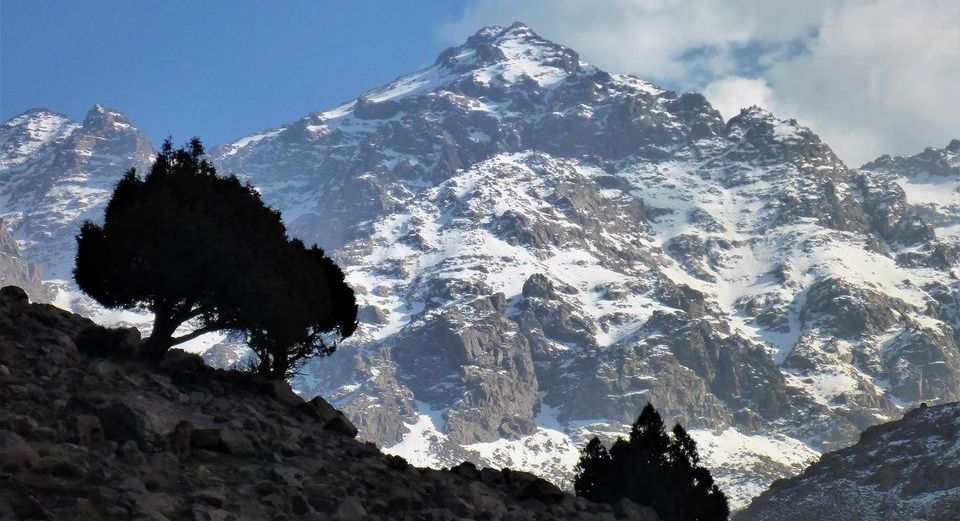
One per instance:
(870,76)
(731,94)
(881,77)
(648,36)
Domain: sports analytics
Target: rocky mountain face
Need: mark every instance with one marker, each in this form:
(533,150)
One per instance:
(91,438)
(541,247)
(14,270)
(905,469)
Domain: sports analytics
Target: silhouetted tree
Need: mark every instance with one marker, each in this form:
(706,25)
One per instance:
(593,470)
(652,468)
(306,318)
(197,248)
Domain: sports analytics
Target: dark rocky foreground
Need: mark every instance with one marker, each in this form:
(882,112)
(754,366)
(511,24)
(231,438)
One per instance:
(85,437)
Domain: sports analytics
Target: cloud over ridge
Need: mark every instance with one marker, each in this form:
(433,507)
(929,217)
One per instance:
(870,76)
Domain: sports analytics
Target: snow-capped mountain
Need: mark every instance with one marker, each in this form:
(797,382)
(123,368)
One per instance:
(54,173)
(541,247)
(905,469)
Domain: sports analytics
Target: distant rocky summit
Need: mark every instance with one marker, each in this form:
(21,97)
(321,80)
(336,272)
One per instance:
(93,438)
(905,469)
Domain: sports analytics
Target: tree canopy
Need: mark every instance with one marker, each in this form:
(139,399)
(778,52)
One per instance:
(652,468)
(194,247)
(287,327)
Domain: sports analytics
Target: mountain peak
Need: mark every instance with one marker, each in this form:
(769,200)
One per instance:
(756,112)
(100,117)
(754,119)
(494,57)
(98,110)
(516,49)
(30,130)
(33,115)
(944,162)
(500,33)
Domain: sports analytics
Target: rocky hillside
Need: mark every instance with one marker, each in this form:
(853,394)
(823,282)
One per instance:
(91,438)
(541,247)
(905,469)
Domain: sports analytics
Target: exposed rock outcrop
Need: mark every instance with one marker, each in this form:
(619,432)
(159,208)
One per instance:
(15,270)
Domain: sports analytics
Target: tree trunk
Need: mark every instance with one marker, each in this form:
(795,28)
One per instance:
(264,367)
(279,369)
(161,338)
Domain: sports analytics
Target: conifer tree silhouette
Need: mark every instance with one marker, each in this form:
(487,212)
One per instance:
(652,468)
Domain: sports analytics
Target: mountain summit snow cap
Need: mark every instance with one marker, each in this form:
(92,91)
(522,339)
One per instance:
(516,44)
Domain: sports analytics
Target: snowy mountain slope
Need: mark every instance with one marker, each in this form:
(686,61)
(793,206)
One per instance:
(23,135)
(905,469)
(532,233)
(541,247)
(931,180)
(55,173)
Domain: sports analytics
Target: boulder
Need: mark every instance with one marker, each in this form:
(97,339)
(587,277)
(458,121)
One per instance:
(281,391)
(331,418)
(350,509)
(236,443)
(288,477)
(109,342)
(299,504)
(14,294)
(340,424)
(265,488)
(212,497)
(541,490)
(21,424)
(485,500)
(131,454)
(122,423)
(180,438)
(14,452)
(468,470)
(88,429)
(627,509)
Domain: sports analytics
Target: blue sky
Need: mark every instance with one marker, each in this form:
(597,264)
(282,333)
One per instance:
(217,69)
(869,76)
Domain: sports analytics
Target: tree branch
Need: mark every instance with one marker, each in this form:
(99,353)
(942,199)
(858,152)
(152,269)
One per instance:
(194,334)
(188,314)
